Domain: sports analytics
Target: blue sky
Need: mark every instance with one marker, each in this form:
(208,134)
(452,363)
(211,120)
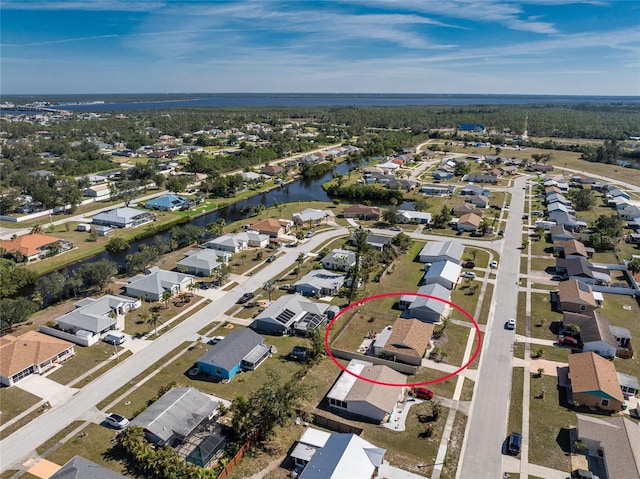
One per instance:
(369,46)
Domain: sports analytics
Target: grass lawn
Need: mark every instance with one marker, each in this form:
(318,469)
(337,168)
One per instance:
(453,342)
(466,296)
(486,305)
(515,408)
(478,256)
(542,317)
(94,443)
(467,390)
(85,359)
(549,424)
(521,320)
(541,248)
(137,322)
(551,353)
(14,401)
(453,448)
(442,388)
(49,443)
(624,311)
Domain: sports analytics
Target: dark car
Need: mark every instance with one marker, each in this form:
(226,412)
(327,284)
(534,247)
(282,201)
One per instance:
(422,393)
(501,233)
(515,443)
(468,264)
(299,353)
(245,297)
(271,258)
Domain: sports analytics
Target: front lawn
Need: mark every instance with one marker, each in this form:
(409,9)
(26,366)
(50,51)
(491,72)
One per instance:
(14,401)
(85,359)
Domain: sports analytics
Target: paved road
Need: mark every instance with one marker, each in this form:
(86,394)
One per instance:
(487,427)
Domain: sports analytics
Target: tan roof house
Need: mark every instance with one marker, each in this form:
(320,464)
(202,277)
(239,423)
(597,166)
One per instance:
(464,208)
(272,170)
(469,222)
(406,341)
(30,353)
(594,382)
(362,212)
(272,227)
(576,297)
(364,398)
(571,248)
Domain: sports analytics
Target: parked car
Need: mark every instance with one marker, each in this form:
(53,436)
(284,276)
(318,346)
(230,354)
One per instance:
(115,338)
(525,216)
(569,341)
(299,353)
(271,258)
(537,213)
(511,324)
(285,287)
(245,297)
(469,274)
(493,264)
(501,233)
(116,421)
(395,228)
(215,340)
(496,207)
(310,234)
(468,264)
(515,443)
(422,392)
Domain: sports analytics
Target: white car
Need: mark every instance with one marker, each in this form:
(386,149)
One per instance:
(469,274)
(493,264)
(511,324)
(116,421)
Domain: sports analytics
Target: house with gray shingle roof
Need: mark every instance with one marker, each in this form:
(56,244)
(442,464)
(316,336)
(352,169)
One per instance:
(290,314)
(97,315)
(242,349)
(339,260)
(175,415)
(311,216)
(156,282)
(429,310)
(435,251)
(80,468)
(319,282)
(201,262)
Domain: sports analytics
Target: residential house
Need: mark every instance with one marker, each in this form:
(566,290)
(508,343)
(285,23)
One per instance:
(540,168)
(30,353)
(556,198)
(102,230)
(389,167)
(170,419)
(272,227)
(167,203)
(377,242)
(339,260)
(123,218)
(612,441)
(41,174)
(554,207)
(154,284)
(617,193)
(464,208)
(629,213)
(97,315)
(473,190)
(579,268)
(231,243)
(572,248)
(478,200)
(437,190)
(435,251)
(311,217)
(552,189)
(597,334)
(567,219)
(199,262)
(35,246)
(406,341)
(272,170)
(368,400)
(508,170)
(80,468)
(594,382)
(98,191)
(629,385)
(411,216)
(430,310)
(319,282)
(291,314)
(445,273)
(327,455)
(575,297)
(559,233)
(481,178)
(472,127)
(362,212)
(242,349)
(469,222)
(443,174)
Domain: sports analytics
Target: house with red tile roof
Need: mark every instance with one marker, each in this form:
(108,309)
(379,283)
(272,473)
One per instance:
(35,246)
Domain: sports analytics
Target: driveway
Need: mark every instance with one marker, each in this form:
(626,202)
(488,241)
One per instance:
(47,389)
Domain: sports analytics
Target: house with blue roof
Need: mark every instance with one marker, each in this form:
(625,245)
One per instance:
(473,127)
(167,203)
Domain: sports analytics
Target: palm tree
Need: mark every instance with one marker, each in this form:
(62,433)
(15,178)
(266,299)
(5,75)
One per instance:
(269,287)
(166,297)
(192,287)
(36,230)
(634,266)
(153,320)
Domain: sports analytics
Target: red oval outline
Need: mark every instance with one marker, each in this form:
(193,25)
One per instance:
(386,295)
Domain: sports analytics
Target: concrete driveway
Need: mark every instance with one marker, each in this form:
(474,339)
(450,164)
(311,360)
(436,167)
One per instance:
(47,389)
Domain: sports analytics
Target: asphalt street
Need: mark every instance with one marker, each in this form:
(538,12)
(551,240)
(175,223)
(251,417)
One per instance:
(487,426)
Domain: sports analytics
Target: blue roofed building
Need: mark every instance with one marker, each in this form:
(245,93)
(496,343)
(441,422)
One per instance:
(167,203)
(473,127)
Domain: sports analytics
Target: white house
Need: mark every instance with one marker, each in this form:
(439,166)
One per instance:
(319,282)
(445,273)
(339,260)
(410,216)
(366,399)
(151,286)
(97,315)
(435,251)
(123,218)
(310,217)
(200,262)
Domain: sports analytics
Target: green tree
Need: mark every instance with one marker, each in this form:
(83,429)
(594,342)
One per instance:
(269,287)
(36,229)
(634,266)
(14,277)
(583,199)
(97,274)
(176,184)
(391,215)
(117,244)
(359,238)
(14,311)
(154,319)
(442,219)
(421,204)
(166,298)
